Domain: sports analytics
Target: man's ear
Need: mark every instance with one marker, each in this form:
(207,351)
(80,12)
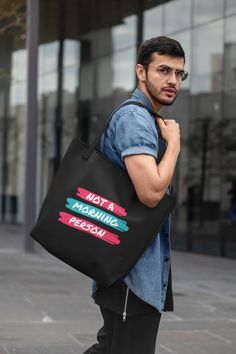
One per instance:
(141,72)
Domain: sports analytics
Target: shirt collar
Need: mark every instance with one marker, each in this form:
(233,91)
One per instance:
(142,97)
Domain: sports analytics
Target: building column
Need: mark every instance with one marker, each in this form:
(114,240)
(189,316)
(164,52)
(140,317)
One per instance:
(139,30)
(32,121)
(140,11)
(59,104)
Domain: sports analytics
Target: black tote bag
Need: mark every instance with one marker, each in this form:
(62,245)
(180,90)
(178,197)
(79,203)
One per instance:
(92,219)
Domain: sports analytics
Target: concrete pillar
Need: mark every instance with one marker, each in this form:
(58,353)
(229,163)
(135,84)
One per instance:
(32,121)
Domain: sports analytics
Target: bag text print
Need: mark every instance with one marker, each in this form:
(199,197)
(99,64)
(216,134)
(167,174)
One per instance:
(89,228)
(101,201)
(97,214)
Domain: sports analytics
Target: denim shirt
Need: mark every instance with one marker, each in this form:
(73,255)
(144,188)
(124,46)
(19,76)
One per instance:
(132,131)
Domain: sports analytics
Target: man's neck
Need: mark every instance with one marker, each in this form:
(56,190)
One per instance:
(155,104)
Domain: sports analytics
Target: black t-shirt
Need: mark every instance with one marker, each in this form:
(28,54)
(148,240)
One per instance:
(113,298)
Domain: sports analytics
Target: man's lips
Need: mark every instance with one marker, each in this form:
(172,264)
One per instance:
(169,90)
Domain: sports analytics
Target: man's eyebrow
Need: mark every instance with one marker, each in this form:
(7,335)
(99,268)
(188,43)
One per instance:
(164,65)
(169,67)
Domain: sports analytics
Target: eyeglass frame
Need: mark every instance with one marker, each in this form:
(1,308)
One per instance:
(185,73)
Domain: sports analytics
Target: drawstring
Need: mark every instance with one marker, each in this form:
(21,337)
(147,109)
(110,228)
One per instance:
(125,307)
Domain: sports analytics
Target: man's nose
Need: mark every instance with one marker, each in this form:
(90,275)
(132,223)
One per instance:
(172,78)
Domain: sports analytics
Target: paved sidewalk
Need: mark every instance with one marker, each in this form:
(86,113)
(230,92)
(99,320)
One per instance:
(45,306)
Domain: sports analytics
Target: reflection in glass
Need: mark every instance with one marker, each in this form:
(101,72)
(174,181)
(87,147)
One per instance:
(207,58)
(205,11)
(230,54)
(2,133)
(72,52)
(228,176)
(124,34)
(13,146)
(104,76)
(86,81)
(47,93)
(123,65)
(180,111)
(13,76)
(18,93)
(47,83)
(229,197)
(46,140)
(185,40)
(96,43)
(70,103)
(15,152)
(152,22)
(19,67)
(177,15)
(70,80)
(230,7)
(48,57)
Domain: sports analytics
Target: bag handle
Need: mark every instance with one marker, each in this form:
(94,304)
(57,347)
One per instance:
(93,146)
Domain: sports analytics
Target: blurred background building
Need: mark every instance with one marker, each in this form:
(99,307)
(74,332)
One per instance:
(86,66)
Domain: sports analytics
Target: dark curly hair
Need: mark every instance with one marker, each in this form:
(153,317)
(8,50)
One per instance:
(161,45)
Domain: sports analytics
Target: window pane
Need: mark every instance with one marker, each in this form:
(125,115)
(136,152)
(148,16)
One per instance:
(124,35)
(18,93)
(19,67)
(229,132)
(48,83)
(177,15)
(124,69)
(230,7)
(100,42)
(104,83)
(153,22)
(70,79)
(205,11)
(71,52)
(207,58)
(230,54)
(48,57)
(86,81)
(185,40)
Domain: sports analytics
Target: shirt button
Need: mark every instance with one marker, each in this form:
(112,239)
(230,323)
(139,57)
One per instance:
(164,285)
(166,259)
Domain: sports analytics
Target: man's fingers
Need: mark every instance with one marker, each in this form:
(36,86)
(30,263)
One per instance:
(169,122)
(161,122)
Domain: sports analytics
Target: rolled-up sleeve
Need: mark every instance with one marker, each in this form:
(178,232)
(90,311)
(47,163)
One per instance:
(135,134)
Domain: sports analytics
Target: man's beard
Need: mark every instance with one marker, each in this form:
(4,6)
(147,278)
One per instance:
(156,94)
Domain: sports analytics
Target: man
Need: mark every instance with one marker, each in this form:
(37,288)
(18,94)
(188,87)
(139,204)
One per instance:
(131,141)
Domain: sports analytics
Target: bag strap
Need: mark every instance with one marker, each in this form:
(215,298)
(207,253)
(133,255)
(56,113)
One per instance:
(162,143)
(94,145)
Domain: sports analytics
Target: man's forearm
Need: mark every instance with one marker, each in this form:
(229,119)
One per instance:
(166,168)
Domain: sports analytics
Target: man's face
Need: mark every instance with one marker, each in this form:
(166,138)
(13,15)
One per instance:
(163,78)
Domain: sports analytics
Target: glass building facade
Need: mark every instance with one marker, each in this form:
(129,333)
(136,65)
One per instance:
(86,67)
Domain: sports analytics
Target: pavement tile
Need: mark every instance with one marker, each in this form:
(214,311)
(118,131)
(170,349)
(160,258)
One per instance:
(14,307)
(46,306)
(194,341)
(38,344)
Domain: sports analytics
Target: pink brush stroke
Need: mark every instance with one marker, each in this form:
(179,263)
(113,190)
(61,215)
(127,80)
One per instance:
(83,194)
(108,237)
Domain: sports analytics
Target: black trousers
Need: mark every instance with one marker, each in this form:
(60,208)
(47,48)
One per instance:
(136,335)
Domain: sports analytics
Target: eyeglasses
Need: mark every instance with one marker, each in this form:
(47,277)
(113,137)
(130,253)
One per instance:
(166,71)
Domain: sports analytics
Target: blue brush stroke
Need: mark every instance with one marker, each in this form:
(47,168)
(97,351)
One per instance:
(121,224)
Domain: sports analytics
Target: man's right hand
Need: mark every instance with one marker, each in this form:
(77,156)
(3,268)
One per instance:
(170,131)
